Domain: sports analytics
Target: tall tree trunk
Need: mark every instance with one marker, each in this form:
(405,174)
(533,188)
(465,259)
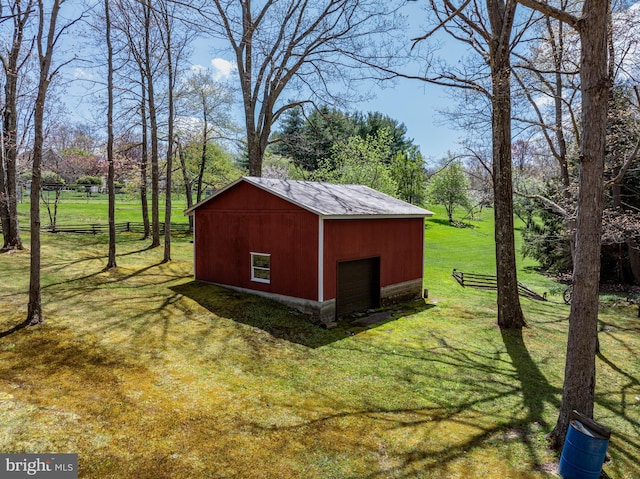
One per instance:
(34,310)
(12,240)
(4,202)
(558,49)
(167,205)
(203,156)
(633,249)
(188,189)
(155,171)
(244,60)
(580,371)
(170,142)
(111,261)
(153,120)
(144,160)
(559,111)
(45,54)
(8,177)
(510,314)
(255,155)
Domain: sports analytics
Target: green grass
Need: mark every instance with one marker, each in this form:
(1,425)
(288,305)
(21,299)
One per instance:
(145,373)
(75,208)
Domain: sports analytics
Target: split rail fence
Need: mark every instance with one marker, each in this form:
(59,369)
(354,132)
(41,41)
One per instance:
(101,228)
(486,281)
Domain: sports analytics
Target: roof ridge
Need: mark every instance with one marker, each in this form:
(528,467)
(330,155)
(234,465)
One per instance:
(330,199)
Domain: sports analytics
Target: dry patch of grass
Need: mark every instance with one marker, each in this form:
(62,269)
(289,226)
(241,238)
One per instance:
(145,373)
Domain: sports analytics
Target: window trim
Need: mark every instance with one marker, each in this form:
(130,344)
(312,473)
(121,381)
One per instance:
(255,268)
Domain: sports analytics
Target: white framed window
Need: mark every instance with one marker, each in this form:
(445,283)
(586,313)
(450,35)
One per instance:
(261,267)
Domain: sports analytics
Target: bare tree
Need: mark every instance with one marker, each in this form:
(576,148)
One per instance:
(12,62)
(48,36)
(174,43)
(137,24)
(209,101)
(550,71)
(580,378)
(280,44)
(111,261)
(167,40)
(144,157)
(488,29)
(150,78)
(138,27)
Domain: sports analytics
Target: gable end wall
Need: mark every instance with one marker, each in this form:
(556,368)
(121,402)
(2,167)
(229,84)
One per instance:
(247,219)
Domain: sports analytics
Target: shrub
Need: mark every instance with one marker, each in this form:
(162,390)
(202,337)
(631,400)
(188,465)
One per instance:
(89,180)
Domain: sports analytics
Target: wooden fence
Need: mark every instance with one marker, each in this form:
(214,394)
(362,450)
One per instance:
(486,281)
(103,228)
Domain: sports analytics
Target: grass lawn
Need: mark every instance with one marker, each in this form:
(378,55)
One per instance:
(77,208)
(146,374)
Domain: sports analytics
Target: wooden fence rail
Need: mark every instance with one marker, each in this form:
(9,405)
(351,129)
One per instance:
(102,228)
(487,281)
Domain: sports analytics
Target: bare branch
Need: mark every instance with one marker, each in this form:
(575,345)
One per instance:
(546,201)
(552,11)
(440,25)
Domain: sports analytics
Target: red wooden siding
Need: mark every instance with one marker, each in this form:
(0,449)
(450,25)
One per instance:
(247,219)
(398,242)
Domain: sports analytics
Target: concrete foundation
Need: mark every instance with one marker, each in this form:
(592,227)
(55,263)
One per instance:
(324,313)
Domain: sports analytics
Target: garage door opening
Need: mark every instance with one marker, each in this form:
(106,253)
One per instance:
(358,286)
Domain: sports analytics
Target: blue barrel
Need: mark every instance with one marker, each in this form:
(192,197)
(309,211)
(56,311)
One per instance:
(585,447)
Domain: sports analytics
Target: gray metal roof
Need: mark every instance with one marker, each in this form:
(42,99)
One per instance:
(330,199)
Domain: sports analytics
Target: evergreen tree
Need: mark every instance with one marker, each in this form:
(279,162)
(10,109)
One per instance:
(310,142)
(373,122)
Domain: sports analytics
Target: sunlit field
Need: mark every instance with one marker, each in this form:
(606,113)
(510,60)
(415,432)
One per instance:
(76,207)
(145,373)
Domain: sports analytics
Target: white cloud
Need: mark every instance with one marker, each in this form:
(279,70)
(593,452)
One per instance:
(223,68)
(82,74)
(189,124)
(198,68)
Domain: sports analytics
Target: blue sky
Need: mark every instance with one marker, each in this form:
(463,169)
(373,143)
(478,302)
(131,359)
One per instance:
(416,104)
(412,102)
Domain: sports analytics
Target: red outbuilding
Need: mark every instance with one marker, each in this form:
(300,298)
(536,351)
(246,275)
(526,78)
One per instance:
(326,249)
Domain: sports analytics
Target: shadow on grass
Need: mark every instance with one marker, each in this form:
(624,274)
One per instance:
(16,328)
(536,390)
(624,444)
(278,320)
(66,264)
(497,397)
(83,285)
